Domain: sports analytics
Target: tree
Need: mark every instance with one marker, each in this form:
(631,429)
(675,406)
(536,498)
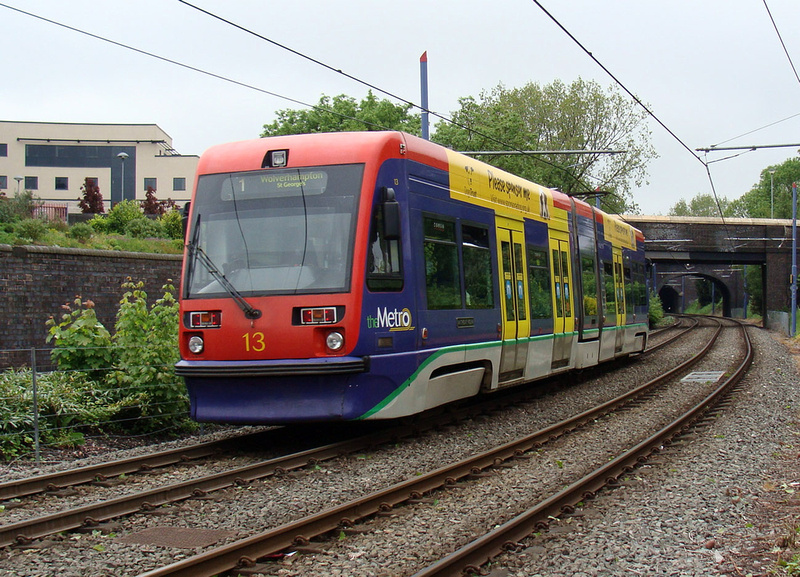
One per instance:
(702,205)
(579,116)
(772,194)
(92,201)
(151,205)
(342,113)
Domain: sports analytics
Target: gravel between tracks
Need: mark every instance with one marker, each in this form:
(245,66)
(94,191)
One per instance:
(719,504)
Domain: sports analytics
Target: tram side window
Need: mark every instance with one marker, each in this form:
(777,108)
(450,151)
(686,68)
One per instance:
(442,278)
(477,267)
(640,284)
(589,281)
(384,269)
(608,281)
(539,284)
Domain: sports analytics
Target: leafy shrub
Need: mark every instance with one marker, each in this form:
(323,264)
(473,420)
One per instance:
(69,403)
(81,341)
(151,205)
(172,223)
(99,224)
(92,201)
(20,207)
(82,232)
(144,228)
(145,342)
(123,213)
(656,310)
(134,369)
(31,229)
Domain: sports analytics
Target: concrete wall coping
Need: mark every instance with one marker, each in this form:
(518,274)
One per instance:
(21,250)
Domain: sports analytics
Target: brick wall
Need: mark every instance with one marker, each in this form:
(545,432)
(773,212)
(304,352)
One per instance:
(36,281)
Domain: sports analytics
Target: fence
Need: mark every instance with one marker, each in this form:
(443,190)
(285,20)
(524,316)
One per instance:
(43,407)
(51,211)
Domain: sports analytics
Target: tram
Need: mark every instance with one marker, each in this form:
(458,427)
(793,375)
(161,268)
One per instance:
(375,275)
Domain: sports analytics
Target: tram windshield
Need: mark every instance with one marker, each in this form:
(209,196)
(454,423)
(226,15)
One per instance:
(273,232)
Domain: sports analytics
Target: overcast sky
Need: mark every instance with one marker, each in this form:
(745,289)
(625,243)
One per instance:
(710,70)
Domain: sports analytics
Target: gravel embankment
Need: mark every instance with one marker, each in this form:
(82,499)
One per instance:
(699,509)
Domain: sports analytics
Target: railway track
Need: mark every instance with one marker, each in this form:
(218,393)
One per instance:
(247,551)
(79,518)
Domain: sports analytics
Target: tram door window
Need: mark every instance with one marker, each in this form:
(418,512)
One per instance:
(564,322)
(541,296)
(513,284)
(610,296)
(619,294)
(589,285)
(630,298)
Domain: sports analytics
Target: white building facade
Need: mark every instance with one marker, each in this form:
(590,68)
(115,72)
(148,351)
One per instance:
(53,161)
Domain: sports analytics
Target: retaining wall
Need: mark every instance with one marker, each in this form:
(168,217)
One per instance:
(35,282)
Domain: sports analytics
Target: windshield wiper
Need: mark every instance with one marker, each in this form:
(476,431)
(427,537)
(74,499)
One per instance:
(250,311)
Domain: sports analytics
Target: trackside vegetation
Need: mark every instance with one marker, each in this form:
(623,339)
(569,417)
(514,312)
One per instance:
(105,382)
(126,227)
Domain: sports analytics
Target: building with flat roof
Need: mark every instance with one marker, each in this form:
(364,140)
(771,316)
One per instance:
(53,160)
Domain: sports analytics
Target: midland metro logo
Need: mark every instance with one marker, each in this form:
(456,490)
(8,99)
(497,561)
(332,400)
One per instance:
(393,320)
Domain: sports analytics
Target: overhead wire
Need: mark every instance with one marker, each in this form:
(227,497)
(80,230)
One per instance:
(646,109)
(383,91)
(272,93)
(186,66)
(783,44)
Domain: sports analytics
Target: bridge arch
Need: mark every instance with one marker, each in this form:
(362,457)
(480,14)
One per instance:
(672,291)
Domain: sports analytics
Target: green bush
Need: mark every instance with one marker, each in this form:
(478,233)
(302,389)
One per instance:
(122,214)
(69,404)
(99,224)
(19,207)
(81,341)
(172,223)
(146,347)
(82,232)
(144,228)
(656,310)
(31,229)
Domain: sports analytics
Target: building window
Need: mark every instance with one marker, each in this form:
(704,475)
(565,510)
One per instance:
(3,182)
(3,149)
(178,183)
(150,183)
(31,183)
(62,183)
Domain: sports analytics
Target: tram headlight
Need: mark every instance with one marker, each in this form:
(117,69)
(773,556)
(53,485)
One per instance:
(335,340)
(196,344)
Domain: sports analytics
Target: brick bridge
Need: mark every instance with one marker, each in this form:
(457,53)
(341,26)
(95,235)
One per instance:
(683,249)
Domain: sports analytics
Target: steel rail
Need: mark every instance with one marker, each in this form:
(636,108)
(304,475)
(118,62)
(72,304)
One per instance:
(246,552)
(93,514)
(673,338)
(506,536)
(52,481)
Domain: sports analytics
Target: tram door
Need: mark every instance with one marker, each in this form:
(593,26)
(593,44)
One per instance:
(563,321)
(619,295)
(513,285)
